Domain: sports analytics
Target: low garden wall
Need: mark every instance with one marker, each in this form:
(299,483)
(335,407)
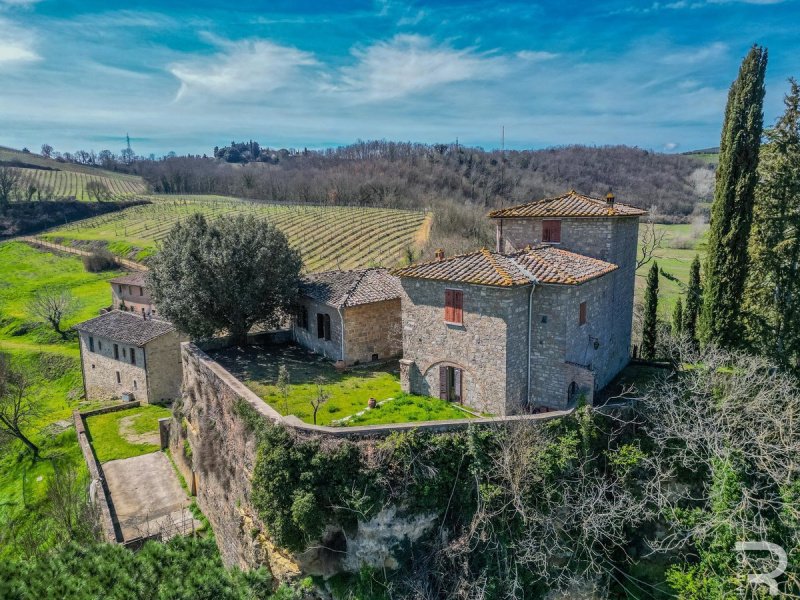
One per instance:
(110,531)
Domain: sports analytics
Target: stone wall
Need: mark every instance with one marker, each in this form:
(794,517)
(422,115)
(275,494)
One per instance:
(611,239)
(488,341)
(223,456)
(164,374)
(370,329)
(100,370)
(309,338)
(156,376)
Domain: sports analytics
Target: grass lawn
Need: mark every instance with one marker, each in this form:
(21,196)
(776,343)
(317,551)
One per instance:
(407,408)
(53,367)
(257,368)
(126,433)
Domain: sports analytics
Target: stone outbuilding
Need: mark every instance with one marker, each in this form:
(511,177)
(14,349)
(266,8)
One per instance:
(125,355)
(539,323)
(130,293)
(350,317)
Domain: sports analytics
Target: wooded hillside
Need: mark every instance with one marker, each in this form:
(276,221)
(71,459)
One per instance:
(406,175)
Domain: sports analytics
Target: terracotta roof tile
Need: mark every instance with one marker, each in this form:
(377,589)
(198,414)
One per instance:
(542,264)
(341,289)
(137,278)
(125,327)
(571,204)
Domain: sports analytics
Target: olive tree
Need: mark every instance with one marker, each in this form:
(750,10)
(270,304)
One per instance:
(224,276)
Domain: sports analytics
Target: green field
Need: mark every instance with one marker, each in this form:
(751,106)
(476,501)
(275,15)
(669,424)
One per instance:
(679,247)
(126,433)
(54,369)
(68,179)
(328,237)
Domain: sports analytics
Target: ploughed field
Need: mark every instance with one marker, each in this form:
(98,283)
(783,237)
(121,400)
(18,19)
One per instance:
(329,237)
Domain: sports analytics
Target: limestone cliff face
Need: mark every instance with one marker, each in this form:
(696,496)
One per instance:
(216,452)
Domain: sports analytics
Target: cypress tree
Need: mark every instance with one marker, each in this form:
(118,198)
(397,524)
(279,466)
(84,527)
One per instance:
(694,300)
(677,318)
(732,210)
(650,325)
(772,315)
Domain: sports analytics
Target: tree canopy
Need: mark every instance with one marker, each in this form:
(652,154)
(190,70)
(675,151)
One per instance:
(224,276)
(773,290)
(732,209)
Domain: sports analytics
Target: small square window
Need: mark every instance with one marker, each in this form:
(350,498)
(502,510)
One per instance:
(544,318)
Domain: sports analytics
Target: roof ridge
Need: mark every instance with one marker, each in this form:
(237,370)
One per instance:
(353,287)
(434,261)
(504,275)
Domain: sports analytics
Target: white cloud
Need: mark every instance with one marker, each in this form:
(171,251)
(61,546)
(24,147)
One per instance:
(692,56)
(15,45)
(408,64)
(251,65)
(536,56)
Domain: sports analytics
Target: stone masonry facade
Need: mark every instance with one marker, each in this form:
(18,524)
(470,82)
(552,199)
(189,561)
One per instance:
(310,338)
(154,378)
(612,239)
(369,329)
(132,298)
(486,347)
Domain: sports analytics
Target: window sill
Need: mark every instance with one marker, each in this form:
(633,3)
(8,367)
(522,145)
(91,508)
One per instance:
(454,323)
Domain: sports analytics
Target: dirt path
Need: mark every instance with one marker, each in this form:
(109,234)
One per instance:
(126,431)
(39,243)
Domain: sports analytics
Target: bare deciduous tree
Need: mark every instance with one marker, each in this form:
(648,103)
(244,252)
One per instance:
(69,505)
(9,178)
(53,305)
(650,241)
(321,398)
(18,409)
(97,190)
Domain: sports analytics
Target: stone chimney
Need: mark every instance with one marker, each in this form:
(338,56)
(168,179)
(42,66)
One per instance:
(610,200)
(440,254)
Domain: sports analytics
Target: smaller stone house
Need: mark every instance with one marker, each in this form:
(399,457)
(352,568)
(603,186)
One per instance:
(126,355)
(350,317)
(130,293)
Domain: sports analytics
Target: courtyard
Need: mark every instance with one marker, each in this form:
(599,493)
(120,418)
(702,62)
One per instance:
(348,392)
(145,492)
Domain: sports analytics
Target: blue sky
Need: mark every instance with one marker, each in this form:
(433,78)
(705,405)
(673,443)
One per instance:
(188,76)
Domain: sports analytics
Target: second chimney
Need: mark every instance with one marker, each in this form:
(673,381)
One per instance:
(610,200)
(439,254)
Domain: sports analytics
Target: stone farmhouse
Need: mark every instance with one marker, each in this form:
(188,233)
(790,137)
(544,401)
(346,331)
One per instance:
(535,324)
(541,321)
(350,317)
(130,293)
(125,355)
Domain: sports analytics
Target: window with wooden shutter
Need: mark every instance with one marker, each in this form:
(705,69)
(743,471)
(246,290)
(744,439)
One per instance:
(443,383)
(582,314)
(320,325)
(454,306)
(327,327)
(551,231)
